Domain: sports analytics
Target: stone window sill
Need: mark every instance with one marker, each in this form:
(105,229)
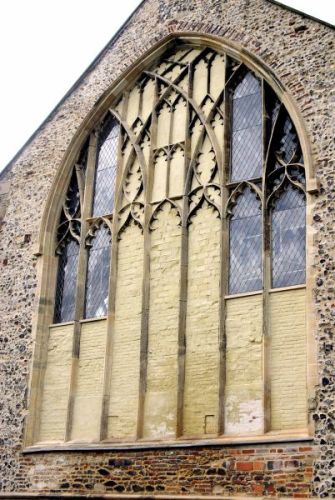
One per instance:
(278,437)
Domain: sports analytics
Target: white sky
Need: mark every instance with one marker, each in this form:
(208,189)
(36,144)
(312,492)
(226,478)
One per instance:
(45,45)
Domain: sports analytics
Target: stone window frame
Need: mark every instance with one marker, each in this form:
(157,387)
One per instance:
(47,261)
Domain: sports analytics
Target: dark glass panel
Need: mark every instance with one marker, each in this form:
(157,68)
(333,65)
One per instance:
(245,245)
(247,143)
(285,144)
(83,156)
(297,174)
(288,239)
(66,282)
(288,141)
(274,111)
(72,200)
(104,186)
(98,274)
(272,105)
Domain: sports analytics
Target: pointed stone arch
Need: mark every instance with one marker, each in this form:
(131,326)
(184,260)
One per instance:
(146,208)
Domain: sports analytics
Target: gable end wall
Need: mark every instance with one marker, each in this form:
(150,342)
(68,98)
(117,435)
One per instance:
(300,52)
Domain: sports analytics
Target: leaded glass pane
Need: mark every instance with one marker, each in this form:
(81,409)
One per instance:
(249,85)
(289,140)
(245,245)
(288,239)
(274,111)
(246,154)
(247,111)
(104,186)
(72,199)
(246,147)
(83,156)
(297,174)
(66,283)
(285,145)
(98,274)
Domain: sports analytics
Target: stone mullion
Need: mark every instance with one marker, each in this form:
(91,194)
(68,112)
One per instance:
(106,389)
(183,277)
(266,345)
(168,159)
(146,271)
(224,257)
(81,279)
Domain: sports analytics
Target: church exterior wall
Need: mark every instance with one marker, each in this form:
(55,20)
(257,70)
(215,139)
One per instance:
(300,52)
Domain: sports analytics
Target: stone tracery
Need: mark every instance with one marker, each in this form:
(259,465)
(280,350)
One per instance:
(174,141)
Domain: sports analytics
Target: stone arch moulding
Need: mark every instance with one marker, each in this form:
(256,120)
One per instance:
(46,250)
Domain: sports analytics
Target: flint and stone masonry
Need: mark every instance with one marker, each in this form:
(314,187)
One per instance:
(298,52)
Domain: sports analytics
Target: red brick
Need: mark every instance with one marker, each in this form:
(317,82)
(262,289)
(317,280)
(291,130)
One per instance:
(258,465)
(258,489)
(244,466)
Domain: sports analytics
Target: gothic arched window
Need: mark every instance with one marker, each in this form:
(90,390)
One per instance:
(181,263)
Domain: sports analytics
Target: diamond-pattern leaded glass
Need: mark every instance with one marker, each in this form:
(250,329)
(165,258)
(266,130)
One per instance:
(98,274)
(66,282)
(245,244)
(274,111)
(285,144)
(104,186)
(246,146)
(247,86)
(297,174)
(82,160)
(288,239)
(247,111)
(72,199)
(247,154)
(289,140)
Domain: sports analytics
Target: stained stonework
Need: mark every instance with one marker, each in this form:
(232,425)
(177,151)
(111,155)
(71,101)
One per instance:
(4,190)
(170,10)
(300,52)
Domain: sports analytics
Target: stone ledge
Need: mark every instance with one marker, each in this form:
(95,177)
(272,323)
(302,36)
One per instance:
(235,441)
(94,496)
